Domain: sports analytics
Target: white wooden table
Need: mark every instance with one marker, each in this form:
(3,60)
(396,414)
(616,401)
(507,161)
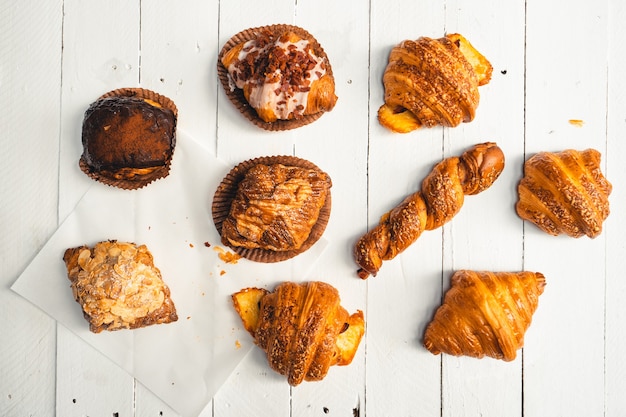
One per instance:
(553,62)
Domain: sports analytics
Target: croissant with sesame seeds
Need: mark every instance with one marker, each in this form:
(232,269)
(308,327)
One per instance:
(565,193)
(302,328)
(432,82)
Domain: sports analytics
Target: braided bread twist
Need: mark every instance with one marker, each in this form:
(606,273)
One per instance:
(440,199)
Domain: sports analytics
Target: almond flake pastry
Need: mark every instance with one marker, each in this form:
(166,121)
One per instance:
(118,286)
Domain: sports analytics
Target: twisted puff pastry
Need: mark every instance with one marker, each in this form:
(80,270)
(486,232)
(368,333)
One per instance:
(302,328)
(565,192)
(485,313)
(430,82)
(440,199)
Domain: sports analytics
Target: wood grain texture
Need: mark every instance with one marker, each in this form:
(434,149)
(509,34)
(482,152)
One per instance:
(572,308)
(615,290)
(30,77)
(552,64)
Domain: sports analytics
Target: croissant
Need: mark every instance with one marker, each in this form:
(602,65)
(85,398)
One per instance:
(440,199)
(302,328)
(565,192)
(283,75)
(431,82)
(485,313)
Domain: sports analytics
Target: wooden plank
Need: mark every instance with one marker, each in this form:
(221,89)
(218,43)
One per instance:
(564,372)
(29,101)
(615,365)
(336,143)
(254,389)
(178,49)
(486,234)
(402,377)
(100,53)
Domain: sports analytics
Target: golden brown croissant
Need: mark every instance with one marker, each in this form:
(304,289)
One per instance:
(565,192)
(485,313)
(302,328)
(283,75)
(431,82)
(440,199)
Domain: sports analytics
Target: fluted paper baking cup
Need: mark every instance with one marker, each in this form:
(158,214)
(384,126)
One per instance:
(235,95)
(140,181)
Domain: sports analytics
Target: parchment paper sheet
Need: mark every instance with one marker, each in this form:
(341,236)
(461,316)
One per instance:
(184,363)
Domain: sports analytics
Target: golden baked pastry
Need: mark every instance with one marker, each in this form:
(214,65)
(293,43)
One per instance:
(431,82)
(438,201)
(118,286)
(565,192)
(302,328)
(128,138)
(276,205)
(282,72)
(485,314)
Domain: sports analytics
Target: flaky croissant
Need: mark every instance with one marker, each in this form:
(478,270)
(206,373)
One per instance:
(431,82)
(283,75)
(565,192)
(302,328)
(485,314)
(440,199)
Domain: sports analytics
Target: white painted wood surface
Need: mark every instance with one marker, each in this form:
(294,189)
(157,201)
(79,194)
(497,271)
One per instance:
(552,62)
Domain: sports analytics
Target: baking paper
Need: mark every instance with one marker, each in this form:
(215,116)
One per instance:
(184,363)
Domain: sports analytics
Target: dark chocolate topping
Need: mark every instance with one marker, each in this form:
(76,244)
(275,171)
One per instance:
(127,132)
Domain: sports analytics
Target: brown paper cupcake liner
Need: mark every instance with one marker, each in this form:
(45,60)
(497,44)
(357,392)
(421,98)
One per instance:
(235,95)
(227,190)
(140,181)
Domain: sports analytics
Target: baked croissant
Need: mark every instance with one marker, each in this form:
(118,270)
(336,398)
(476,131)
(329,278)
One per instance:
(431,82)
(440,199)
(282,75)
(302,328)
(565,192)
(485,314)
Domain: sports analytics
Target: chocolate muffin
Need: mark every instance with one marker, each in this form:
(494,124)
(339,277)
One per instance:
(128,138)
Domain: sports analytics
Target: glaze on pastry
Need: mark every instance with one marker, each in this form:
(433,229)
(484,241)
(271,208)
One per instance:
(118,286)
(128,138)
(565,193)
(432,82)
(276,207)
(485,314)
(282,72)
(439,200)
(272,208)
(302,328)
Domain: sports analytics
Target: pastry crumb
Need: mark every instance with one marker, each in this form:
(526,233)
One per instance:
(191,245)
(222,272)
(576,122)
(207,244)
(237,344)
(228,257)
